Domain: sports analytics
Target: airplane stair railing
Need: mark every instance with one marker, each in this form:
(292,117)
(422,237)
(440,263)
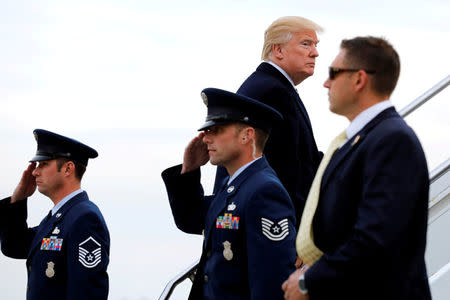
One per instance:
(441,85)
(172,284)
(438,243)
(437,255)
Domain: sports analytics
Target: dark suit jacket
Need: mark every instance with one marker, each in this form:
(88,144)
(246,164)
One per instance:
(75,240)
(371,219)
(291,149)
(260,229)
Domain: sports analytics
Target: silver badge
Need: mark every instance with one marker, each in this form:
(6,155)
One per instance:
(230,189)
(275,231)
(90,253)
(205,98)
(58,215)
(56,230)
(232,206)
(50,271)
(227,253)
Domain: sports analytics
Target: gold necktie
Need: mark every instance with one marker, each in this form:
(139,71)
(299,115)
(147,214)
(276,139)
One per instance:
(306,249)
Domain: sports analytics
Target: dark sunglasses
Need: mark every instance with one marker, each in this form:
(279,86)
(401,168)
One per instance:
(332,71)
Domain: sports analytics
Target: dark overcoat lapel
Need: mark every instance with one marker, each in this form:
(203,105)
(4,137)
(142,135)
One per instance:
(269,69)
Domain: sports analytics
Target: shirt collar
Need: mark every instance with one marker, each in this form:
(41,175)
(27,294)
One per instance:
(282,72)
(365,117)
(65,200)
(240,170)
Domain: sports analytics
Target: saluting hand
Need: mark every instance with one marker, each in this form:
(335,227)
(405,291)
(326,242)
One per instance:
(26,186)
(195,154)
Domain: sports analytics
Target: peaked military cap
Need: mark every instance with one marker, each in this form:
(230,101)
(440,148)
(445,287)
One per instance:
(227,107)
(51,145)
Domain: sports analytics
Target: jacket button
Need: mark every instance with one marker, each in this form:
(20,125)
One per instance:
(206,278)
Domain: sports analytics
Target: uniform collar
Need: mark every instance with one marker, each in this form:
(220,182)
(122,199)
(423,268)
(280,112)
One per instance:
(365,117)
(240,170)
(282,72)
(64,201)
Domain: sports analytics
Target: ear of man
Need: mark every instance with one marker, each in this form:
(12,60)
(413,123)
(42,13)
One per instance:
(277,51)
(361,81)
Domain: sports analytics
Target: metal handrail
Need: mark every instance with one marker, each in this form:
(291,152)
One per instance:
(425,97)
(439,170)
(171,285)
(434,175)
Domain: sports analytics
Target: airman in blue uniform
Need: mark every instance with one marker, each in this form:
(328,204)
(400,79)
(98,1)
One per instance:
(67,254)
(248,225)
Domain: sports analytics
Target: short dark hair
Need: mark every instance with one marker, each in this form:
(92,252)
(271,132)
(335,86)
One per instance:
(375,54)
(261,136)
(79,168)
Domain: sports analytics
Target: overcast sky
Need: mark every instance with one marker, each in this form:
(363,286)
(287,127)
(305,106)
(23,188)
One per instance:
(125,77)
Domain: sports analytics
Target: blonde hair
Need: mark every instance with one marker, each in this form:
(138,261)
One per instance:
(281,30)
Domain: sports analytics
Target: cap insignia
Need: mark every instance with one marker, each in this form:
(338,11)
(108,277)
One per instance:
(205,98)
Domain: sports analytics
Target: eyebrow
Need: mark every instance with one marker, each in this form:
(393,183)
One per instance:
(310,40)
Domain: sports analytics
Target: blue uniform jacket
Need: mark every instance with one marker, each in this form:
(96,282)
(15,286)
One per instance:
(291,149)
(371,220)
(252,218)
(67,254)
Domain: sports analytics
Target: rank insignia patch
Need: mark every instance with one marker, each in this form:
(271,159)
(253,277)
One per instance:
(275,231)
(227,222)
(90,253)
(51,243)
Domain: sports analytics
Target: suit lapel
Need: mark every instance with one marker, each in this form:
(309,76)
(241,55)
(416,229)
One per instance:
(220,200)
(45,228)
(353,144)
(271,70)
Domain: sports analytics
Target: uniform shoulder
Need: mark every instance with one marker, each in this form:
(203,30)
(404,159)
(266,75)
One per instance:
(82,211)
(265,180)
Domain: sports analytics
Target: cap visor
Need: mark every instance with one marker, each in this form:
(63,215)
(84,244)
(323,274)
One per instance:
(207,125)
(215,122)
(40,158)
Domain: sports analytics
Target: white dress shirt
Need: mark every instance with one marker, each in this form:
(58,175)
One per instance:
(282,72)
(365,117)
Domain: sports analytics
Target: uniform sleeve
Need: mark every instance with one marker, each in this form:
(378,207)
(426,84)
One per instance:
(186,198)
(15,236)
(88,258)
(270,241)
(394,192)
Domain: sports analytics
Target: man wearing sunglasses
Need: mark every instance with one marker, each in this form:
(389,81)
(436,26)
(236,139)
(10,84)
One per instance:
(363,230)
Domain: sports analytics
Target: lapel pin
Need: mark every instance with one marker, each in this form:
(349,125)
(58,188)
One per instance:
(58,215)
(230,189)
(355,140)
(56,230)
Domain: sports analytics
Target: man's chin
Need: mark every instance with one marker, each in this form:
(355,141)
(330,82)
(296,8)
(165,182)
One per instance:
(42,190)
